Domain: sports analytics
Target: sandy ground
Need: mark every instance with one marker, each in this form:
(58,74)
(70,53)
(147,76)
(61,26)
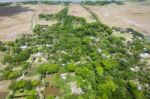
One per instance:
(47,9)
(78,10)
(17,20)
(4,88)
(4,85)
(132,15)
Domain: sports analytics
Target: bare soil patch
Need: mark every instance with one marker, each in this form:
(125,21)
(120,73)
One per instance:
(17,20)
(47,9)
(78,10)
(4,85)
(130,15)
(3,95)
(51,91)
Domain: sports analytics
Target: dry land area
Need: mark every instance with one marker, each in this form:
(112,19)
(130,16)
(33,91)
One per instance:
(16,20)
(78,10)
(130,15)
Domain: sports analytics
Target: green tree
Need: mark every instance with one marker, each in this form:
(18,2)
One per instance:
(71,67)
(48,68)
(138,94)
(99,70)
(109,63)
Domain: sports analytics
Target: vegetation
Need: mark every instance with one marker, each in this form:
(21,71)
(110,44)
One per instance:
(5,4)
(48,68)
(48,2)
(103,2)
(85,54)
(92,13)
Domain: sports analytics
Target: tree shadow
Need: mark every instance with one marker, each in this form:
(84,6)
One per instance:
(9,11)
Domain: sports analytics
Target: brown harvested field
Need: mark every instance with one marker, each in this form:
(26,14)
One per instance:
(51,91)
(47,9)
(4,88)
(78,10)
(132,15)
(16,20)
(3,95)
(4,85)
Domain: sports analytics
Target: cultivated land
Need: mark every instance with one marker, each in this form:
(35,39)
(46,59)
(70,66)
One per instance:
(16,20)
(78,10)
(131,15)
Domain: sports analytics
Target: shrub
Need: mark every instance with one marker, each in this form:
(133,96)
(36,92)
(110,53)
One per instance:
(2,48)
(9,74)
(23,84)
(70,67)
(108,64)
(48,68)
(99,70)
(25,65)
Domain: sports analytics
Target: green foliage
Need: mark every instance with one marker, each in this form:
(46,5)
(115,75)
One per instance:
(48,68)
(107,88)
(7,58)
(71,67)
(99,70)
(9,74)
(25,65)
(16,49)
(83,72)
(5,4)
(108,64)
(138,94)
(22,84)
(3,49)
(31,97)
(101,62)
(135,32)
(103,2)
(22,56)
(46,16)
(48,2)
(50,97)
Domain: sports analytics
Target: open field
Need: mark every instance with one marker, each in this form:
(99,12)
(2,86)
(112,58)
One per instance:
(130,15)
(16,20)
(78,10)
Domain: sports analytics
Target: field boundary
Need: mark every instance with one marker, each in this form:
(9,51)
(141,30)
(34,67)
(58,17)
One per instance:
(94,15)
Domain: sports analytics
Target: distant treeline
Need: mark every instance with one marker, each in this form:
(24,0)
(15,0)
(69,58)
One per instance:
(102,2)
(58,2)
(5,4)
(43,2)
(34,2)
